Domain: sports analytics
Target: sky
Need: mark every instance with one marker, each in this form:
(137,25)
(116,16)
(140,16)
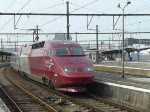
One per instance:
(57,24)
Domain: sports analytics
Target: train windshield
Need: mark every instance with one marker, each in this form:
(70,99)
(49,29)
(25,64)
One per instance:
(61,51)
(77,51)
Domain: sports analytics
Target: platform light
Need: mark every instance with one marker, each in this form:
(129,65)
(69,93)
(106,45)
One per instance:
(128,2)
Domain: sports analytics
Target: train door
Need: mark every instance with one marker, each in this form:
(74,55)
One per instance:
(48,64)
(49,69)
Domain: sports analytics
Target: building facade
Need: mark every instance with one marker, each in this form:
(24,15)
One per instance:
(131,41)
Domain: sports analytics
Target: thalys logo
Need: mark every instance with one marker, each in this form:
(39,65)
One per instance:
(49,63)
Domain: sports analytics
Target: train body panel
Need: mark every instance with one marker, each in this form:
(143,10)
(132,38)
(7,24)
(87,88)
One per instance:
(73,78)
(61,64)
(14,61)
(36,62)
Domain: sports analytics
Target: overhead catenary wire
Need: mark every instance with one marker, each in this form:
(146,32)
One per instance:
(10,5)
(141,9)
(133,24)
(85,8)
(53,6)
(58,4)
(24,6)
(132,17)
(17,12)
(54,19)
(80,8)
(46,23)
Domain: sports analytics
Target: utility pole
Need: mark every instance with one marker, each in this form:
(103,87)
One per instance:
(33,35)
(67,20)
(123,44)
(97,43)
(101,55)
(35,31)
(1,44)
(109,42)
(76,36)
(37,36)
(15,47)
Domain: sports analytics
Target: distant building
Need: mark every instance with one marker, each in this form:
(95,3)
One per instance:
(131,41)
(9,50)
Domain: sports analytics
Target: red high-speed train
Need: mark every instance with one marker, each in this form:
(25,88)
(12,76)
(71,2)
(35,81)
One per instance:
(61,65)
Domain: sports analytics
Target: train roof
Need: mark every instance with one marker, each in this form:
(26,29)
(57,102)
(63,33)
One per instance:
(54,43)
(63,43)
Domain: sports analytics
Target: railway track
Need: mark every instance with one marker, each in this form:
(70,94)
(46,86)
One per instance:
(65,103)
(106,105)
(25,101)
(8,101)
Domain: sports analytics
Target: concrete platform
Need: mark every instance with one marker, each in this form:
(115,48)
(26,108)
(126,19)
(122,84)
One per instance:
(3,107)
(134,68)
(133,90)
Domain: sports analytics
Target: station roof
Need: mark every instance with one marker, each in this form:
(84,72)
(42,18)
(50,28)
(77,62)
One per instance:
(4,53)
(127,49)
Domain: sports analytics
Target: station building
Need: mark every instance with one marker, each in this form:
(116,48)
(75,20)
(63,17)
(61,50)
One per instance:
(132,41)
(133,50)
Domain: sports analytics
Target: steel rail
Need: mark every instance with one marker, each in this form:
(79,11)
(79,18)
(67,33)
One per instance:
(94,109)
(11,100)
(122,107)
(73,100)
(28,93)
(68,97)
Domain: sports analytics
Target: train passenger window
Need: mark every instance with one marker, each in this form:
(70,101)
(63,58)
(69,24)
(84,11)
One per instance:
(77,51)
(61,51)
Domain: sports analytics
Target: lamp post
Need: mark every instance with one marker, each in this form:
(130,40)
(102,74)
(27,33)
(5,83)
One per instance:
(128,2)
(109,42)
(139,44)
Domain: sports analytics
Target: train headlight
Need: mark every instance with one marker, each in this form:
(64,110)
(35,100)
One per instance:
(88,70)
(70,70)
